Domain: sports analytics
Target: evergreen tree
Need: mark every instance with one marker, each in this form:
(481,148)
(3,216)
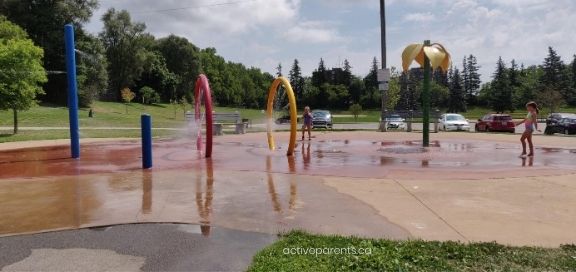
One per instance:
(574,73)
(319,75)
(500,97)
(474,81)
(441,77)
(409,88)
(371,97)
(371,80)
(514,74)
(296,80)
(556,77)
(465,76)
(279,70)
(457,100)
(553,67)
(347,80)
(356,89)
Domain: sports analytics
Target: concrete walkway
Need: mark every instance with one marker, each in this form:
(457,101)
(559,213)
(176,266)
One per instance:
(144,247)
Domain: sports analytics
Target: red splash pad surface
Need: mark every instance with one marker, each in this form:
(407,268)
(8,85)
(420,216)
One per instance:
(450,158)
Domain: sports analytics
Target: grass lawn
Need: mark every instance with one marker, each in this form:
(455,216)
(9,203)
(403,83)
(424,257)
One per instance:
(408,256)
(34,135)
(108,114)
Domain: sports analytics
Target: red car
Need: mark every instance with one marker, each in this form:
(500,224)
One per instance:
(496,122)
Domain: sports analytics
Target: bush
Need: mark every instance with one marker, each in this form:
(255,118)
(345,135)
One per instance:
(149,96)
(355,109)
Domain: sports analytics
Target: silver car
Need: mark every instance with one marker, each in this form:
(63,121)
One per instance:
(453,122)
(395,121)
(322,119)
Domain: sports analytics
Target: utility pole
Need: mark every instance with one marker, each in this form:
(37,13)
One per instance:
(383,31)
(384,73)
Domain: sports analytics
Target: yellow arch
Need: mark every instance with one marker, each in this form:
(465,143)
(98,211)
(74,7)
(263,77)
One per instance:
(281,81)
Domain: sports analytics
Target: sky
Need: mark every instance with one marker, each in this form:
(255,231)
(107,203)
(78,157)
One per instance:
(264,33)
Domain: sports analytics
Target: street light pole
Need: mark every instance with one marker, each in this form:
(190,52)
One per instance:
(383,30)
(384,74)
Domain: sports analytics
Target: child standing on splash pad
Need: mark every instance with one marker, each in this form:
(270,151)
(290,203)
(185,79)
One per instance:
(531,125)
(307,123)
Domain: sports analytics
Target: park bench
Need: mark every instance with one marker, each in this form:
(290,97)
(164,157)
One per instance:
(224,118)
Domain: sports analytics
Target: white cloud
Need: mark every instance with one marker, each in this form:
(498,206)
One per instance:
(420,17)
(312,32)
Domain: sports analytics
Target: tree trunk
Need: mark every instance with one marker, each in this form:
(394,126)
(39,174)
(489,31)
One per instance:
(15,121)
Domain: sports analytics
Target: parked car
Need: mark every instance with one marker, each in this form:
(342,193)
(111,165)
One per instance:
(285,120)
(453,122)
(567,126)
(395,121)
(496,122)
(553,122)
(322,119)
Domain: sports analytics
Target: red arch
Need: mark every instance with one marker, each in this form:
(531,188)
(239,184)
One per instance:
(202,86)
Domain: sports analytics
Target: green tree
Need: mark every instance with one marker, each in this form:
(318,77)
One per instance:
(149,96)
(125,44)
(457,100)
(474,81)
(355,109)
(356,89)
(550,99)
(296,80)
(347,73)
(44,22)
(127,97)
(21,69)
(556,77)
(371,80)
(393,89)
(371,98)
(92,73)
(319,75)
(514,74)
(465,78)
(500,98)
(279,70)
(338,96)
(574,73)
(529,86)
(183,61)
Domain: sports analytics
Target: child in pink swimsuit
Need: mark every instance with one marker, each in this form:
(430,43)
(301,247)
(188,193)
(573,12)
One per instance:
(307,123)
(531,125)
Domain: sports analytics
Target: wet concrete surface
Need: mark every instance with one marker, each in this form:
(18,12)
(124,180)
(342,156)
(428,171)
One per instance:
(245,186)
(250,201)
(151,247)
(336,157)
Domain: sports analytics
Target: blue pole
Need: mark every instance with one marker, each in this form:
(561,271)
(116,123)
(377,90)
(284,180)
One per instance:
(72,91)
(146,124)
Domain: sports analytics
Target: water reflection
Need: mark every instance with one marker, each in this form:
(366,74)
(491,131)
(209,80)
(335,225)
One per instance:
(147,192)
(204,197)
(528,162)
(306,156)
(274,196)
